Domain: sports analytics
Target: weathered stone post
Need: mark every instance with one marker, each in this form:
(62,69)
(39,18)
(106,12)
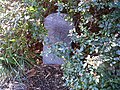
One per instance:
(58,30)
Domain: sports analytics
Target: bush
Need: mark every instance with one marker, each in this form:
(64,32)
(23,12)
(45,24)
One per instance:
(94,64)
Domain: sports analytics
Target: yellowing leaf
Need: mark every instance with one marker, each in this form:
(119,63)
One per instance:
(12,40)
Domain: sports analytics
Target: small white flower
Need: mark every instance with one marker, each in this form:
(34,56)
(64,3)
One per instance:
(27,17)
(113,44)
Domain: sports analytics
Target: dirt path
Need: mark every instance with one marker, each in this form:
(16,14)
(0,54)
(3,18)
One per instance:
(43,77)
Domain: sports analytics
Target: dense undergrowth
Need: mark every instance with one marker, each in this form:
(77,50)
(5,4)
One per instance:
(21,36)
(94,60)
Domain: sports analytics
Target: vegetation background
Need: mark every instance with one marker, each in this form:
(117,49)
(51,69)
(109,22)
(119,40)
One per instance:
(94,61)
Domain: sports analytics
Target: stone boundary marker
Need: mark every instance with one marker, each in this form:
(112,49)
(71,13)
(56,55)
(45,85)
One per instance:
(58,30)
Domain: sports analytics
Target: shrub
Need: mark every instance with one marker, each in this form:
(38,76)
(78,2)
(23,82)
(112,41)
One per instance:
(94,64)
